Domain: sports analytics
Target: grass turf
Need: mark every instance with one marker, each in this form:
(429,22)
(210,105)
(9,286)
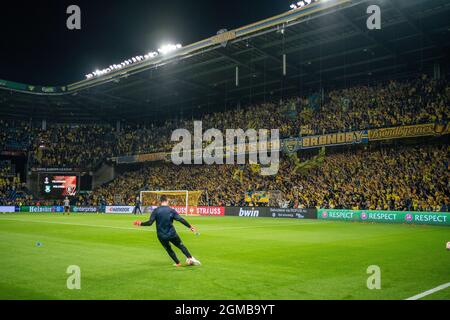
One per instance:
(242,258)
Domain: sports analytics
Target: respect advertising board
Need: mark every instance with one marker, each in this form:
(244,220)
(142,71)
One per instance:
(269,212)
(408,217)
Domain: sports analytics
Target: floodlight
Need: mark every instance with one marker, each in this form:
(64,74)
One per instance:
(168,48)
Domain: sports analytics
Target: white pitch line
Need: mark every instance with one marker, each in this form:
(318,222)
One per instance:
(431,291)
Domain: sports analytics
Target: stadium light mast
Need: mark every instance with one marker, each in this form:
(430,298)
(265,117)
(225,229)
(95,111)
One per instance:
(163,50)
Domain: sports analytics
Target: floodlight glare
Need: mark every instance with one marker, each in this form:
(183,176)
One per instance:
(303,3)
(168,48)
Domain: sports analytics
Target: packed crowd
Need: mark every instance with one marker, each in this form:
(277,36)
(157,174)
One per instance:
(422,100)
(382,178)
(16,135)
(12,189)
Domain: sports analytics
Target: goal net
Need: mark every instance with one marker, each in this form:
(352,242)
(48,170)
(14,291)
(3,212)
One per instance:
(177,198)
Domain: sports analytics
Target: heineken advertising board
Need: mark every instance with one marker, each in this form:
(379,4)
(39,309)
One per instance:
(408,217)
(36,209)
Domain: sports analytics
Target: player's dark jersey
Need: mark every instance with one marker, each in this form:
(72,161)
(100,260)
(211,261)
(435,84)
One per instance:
(164,217)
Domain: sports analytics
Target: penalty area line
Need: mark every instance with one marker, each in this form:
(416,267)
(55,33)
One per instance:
(428,292)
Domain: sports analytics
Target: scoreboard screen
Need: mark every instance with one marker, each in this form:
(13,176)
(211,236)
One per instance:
(56,186)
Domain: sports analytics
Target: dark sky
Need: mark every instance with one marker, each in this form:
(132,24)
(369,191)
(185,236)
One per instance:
(37,48)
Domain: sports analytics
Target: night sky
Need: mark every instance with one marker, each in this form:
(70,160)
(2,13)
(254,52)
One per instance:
(38,49)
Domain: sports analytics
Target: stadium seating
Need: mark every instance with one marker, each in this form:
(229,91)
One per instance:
(384,178)
(421,100)
(401,178)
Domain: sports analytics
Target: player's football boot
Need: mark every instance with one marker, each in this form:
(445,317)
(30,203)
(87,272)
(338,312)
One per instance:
(195,262)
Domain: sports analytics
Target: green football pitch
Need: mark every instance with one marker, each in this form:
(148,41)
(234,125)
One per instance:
(242,258)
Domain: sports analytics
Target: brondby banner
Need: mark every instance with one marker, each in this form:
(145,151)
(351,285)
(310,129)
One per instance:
(407,217)
(255,212)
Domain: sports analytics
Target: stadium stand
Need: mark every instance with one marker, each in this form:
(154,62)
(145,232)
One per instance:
(414,178)
(401,178)
(12,189)
(420,100)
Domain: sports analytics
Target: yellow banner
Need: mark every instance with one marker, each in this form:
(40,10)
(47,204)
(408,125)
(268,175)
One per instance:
(420,130)
(152,156)
(334,139)
(257,197)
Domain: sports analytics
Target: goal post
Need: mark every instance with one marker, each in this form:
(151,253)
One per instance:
(179,198)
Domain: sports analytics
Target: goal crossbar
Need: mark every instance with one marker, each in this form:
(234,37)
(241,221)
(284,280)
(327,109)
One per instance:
(189,197)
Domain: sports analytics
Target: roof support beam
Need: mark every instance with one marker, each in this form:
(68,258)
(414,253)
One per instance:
(253,69)
(417,25)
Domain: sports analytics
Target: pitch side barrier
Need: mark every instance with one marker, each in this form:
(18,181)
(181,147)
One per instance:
(254,212)
(405,217)
(48,209)
(9,209)
(271,212)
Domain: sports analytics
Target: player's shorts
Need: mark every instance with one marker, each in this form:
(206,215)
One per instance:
(176,241)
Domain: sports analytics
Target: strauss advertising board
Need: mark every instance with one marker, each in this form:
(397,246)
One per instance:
(191,210)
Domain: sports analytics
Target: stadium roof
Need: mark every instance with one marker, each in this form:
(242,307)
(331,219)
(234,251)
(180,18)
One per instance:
(326,44)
